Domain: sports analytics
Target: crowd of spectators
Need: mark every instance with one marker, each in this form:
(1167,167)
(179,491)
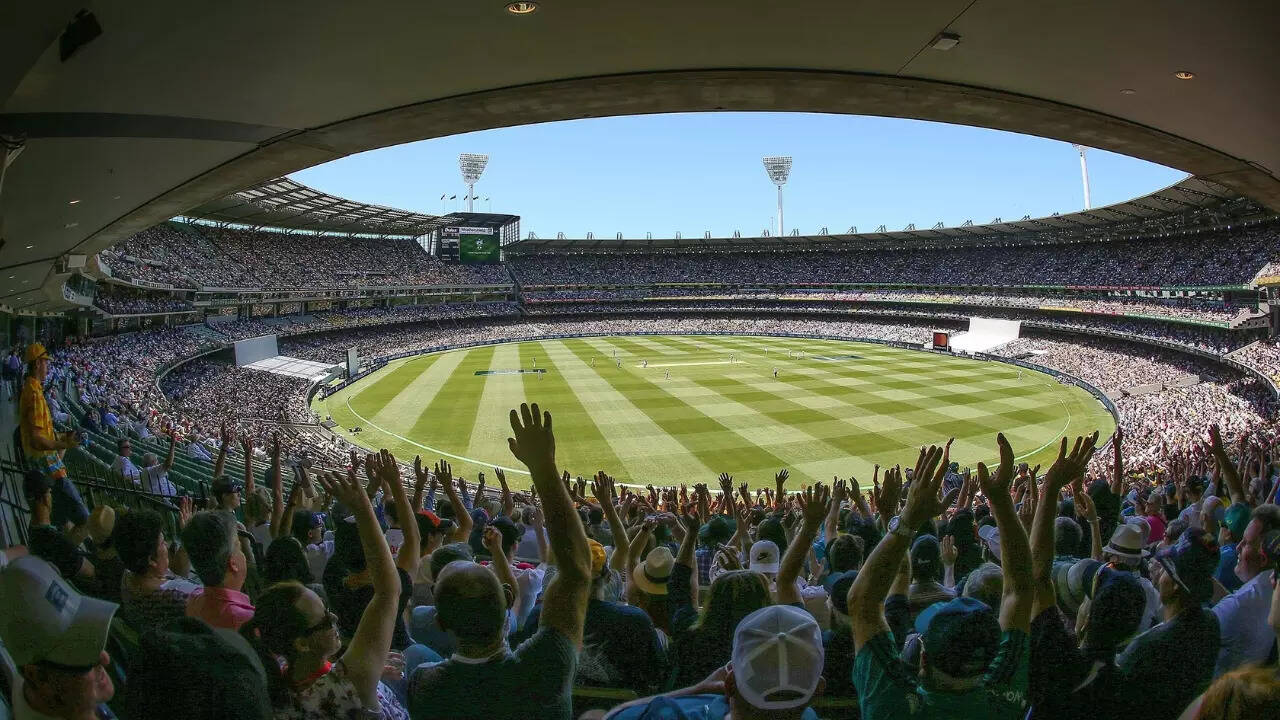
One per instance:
(119,300)
(208,391)
(1153,262)
(191,256)
(1198,309)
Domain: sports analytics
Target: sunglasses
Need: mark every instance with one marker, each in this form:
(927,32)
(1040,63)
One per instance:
(329,620)
(68,669)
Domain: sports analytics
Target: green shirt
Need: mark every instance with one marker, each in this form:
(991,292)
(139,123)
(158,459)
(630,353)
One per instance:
(888,689)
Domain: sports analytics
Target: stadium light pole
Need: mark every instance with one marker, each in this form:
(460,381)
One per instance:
(1084,173)
(472,167)
(778,168)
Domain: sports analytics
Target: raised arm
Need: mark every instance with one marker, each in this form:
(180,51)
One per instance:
(564,601)
(869,590)
(419,482)
(225,442)
(839,494)
(1089,512)
(1228,470)
(460,512)
(1015,551)
(277,482)
(508,504)
(246,444)
(389,471)
(173,444)
(602,490)
(501,566)
(813,505)
(1117,463)
(366,656)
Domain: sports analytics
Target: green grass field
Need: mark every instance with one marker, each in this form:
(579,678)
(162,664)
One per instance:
(835,411)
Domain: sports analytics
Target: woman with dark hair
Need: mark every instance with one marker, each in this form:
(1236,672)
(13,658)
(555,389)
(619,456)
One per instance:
(297,637)
(286,561)
(147,594)
(703,642)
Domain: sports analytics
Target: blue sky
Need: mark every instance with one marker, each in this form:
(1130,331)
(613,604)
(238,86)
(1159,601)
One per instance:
(702,171)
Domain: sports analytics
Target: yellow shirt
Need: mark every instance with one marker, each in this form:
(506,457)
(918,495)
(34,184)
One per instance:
(34,415)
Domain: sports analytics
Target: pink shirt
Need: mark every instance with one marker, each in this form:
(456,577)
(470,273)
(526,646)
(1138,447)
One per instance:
(220,607)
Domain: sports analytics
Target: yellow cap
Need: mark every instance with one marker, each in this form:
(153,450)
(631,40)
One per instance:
(35,351)
(597,556)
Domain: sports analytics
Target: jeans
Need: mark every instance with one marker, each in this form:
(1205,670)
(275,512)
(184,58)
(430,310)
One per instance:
(414,655)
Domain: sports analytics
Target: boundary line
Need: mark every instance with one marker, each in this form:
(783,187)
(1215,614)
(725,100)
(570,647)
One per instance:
(428,448)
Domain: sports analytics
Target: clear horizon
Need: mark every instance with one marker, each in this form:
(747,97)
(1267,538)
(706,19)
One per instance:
(694,172)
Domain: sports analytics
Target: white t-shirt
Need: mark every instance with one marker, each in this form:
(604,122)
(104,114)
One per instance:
(318,555)
(126,468)
(154,479)
(262,533)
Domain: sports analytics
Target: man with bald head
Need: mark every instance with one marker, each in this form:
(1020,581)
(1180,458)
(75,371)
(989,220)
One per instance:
(485,678)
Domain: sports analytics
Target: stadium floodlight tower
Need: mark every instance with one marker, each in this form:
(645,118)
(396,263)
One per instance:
(1084,172)
(778,168)
(472,167)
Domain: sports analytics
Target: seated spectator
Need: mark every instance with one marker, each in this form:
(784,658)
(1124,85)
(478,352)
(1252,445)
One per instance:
(776,669)
(108,569)
(57,640)
(123,465)
(150,596)
(287,562)
(214,674)
(43,539)
(926,575)
(295,626)
(473,606)
(425,622)
(218,558)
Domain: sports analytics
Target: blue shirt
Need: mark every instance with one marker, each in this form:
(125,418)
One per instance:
(687,707)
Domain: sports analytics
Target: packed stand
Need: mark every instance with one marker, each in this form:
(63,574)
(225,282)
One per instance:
(208,257)
(1192,261)
(116,300)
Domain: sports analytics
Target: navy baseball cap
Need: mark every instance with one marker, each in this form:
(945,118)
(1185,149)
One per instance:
(960,636)
(1191,562)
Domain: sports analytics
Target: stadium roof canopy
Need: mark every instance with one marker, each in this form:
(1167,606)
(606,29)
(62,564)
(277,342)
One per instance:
(148,109)
(284,203)
(1193,202)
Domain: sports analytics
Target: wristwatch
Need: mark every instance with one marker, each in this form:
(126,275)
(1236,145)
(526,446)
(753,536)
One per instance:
(897,528)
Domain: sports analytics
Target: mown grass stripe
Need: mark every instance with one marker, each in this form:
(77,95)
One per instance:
(446,421)
(369,398)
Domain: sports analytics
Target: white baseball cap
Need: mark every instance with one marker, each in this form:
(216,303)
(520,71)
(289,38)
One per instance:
(990,535)
(46,619)
(764,557)
(777,657)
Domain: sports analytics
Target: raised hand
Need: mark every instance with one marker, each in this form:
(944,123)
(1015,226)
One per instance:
(347,490)
(839,491)
(602,488)
(493,541)
(814,503)
(246,445)
(534,443)
(444,473)
(502,477)
(226,435)
(1003,479)
(949,551)
(726,483)
(1069,467)
(418,473)
(184,511)
(388,470)
(923,501)
(1085,509)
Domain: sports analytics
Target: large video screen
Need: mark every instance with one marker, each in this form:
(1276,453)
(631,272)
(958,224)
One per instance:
(478,245)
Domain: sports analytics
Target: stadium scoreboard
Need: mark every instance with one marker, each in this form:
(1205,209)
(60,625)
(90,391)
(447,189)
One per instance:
(475,238)
(476,244)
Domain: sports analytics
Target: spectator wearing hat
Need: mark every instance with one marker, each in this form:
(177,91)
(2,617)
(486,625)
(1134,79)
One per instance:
(926,575)
(226,492)
(973,662)
(1235,520)
(108,569)
(1174,661)
(775,670)
(214,673)
(1242,613)
(218,558)
(309,530)
(711,536)
(1125,551)
(536,677)
(57,639)
(42,445)
(45,540)
(647,584)
(149,595)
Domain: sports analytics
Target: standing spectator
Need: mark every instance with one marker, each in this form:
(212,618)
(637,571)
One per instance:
(536,679)
(1173,662)
(1242,614)
(43,539)
(973,665)
(775,671)
(42,446)
(57,639)
(218,558)
(294,624)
